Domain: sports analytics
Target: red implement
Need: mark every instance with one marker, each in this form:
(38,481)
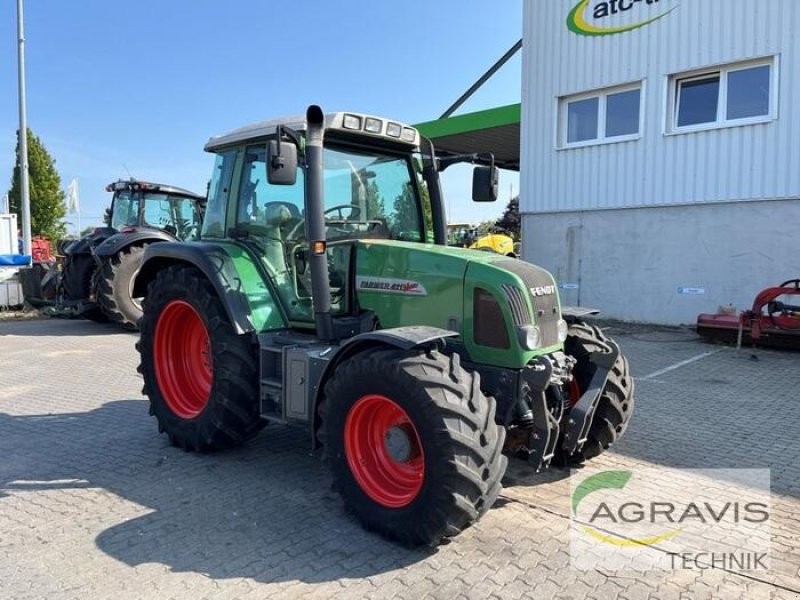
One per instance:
(774,320)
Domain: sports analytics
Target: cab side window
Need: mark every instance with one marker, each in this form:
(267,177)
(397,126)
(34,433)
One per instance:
(218,193)
(262,206)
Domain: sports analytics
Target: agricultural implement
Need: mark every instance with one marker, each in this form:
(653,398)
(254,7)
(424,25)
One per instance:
(773,320)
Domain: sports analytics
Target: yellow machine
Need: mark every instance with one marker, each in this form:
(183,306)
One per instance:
(465,235)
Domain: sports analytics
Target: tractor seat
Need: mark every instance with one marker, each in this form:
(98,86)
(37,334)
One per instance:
(278,219)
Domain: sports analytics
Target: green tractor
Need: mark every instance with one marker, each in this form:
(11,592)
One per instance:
(322,294)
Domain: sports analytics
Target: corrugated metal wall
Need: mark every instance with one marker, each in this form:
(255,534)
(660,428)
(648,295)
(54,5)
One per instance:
(737,163)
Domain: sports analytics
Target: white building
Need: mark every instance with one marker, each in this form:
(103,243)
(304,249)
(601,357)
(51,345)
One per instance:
(660,151)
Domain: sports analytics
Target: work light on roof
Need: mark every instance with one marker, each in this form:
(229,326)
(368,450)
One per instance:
(409,135)
(351,122)
(373,125)
(393,130)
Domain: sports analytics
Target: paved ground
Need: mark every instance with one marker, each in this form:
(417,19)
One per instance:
(95,504)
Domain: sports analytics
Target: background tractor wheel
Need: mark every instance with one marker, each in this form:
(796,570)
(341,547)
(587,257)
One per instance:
(412,443)
(78,283)
(201,377)
(114,286)
(616,401)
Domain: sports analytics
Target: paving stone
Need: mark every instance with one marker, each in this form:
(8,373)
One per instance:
(94,503)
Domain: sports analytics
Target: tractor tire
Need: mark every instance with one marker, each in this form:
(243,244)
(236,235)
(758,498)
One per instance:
(200,375)
(78,282)
(412,443)
(616,404)
(113,286)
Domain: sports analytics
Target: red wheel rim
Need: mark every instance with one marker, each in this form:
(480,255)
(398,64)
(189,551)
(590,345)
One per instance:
(574,392)
(183,359)
(383,451)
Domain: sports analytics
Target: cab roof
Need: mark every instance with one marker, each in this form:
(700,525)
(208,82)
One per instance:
(148,186)
(336,120)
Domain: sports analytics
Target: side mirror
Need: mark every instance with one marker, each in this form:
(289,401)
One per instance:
(281,163)
(484,184)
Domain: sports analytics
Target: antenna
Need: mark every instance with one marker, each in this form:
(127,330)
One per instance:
(126,169)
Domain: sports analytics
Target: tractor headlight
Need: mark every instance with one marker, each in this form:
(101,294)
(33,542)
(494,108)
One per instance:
(373,125)
(351,122)
(529,336)
(563,329)
(409,135)
(393,130)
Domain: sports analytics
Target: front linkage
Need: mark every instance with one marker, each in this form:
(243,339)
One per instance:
(564,406)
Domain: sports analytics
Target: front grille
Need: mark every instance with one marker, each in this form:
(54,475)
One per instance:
(519,308)
(545,307)
(490,327)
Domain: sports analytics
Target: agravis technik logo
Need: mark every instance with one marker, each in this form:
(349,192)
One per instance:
(659,517)
(612,480)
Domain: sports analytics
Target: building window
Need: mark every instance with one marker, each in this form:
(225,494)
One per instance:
(732,95)
(600,116)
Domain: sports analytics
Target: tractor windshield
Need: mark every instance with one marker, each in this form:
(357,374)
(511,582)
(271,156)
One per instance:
(125,210)
(368,194)
(174,214)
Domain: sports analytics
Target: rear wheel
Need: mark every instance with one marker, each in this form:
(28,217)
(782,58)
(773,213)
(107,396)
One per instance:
(78,281)
(412,443)
(200,375)
(114,287)
(616,403)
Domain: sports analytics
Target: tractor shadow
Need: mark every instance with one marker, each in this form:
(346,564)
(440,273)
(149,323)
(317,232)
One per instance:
(50,327)
(265,511)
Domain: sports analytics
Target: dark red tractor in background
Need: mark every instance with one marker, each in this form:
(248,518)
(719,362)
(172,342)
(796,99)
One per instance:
(96,278)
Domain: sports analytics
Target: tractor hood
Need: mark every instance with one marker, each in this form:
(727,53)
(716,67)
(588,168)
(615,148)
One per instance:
(494,302)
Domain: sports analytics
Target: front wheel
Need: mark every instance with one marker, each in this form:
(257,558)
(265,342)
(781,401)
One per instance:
(412,443)
(201,377)
(615,407)
(78,281)
(114,285)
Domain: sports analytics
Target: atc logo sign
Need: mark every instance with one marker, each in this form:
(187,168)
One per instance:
(609,17)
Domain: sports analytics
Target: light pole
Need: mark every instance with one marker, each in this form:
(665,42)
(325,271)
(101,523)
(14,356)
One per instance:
(23,139)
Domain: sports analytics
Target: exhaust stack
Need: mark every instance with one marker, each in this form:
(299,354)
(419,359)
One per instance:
(315,223)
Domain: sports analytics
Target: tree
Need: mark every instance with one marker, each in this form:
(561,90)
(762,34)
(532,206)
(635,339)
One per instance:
(46,195)
(405,218)
(510,221)
(486,227)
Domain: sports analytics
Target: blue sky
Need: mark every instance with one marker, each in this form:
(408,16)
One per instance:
(144,84)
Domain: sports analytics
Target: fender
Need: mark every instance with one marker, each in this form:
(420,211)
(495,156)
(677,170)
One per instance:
(572,313)
(120,241)
(85,244)
(215,264)
(402,338)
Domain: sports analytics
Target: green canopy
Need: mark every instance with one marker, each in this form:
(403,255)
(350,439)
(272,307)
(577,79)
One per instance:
(495,130)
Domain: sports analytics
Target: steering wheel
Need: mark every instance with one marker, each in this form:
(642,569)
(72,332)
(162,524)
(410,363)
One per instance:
(338,208)
(791,282)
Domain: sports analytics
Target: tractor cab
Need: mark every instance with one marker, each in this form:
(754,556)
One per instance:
(140,205)
(373,186)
